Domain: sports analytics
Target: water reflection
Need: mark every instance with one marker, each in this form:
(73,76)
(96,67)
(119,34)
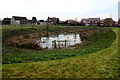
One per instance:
(59,40)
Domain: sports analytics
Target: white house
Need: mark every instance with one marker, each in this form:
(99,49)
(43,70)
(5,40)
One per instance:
(16,20)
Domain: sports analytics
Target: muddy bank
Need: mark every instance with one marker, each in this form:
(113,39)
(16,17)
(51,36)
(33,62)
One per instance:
(29,40)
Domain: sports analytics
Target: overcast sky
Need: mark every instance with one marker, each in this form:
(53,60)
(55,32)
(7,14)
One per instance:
(63,9)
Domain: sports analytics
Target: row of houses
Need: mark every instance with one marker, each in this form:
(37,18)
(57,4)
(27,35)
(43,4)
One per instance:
(17,20)
(94,22)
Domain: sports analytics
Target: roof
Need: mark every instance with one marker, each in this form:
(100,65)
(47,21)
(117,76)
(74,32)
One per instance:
(84,20)
(94,19)
(6,19)
(109,18)
(53,19)
(19,18)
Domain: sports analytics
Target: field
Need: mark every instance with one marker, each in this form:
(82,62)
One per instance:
(99,59)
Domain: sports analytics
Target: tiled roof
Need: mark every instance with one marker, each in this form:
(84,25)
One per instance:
(53,19)
(94,19)
(84,20)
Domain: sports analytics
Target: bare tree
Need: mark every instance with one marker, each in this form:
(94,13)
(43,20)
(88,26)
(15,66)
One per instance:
(76,22)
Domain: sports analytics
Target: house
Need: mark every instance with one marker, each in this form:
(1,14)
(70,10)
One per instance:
(53,20)
(85,22)
(94,21)
(108,22)
(102,22)
(6,21)
(90,21)
(17,20)
(42,23)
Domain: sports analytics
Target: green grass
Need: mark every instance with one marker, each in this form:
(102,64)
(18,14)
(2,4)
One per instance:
(100,64)
(20,55)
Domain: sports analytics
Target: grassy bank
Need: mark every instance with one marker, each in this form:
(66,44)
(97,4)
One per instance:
(100,64)
(20,55)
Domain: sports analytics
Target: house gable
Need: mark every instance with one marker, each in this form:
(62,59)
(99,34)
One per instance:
(16,20)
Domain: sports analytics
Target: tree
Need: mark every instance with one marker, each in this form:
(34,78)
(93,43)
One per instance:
(34,19)
(58,22)
(108,22)
(76,22)
(47,26)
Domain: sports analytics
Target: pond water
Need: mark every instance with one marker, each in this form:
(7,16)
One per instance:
(59,40)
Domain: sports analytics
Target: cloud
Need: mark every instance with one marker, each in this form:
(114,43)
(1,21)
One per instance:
(57,7)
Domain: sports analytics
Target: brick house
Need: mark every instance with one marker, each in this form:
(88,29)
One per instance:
(102,22)
(91,21)
(94,21)
(85,22)
(108,22)
(53,20)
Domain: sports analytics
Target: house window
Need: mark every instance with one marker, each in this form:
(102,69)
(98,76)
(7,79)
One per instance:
(88,20)
(95,21)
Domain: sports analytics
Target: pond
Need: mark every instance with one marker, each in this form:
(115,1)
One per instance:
(59,40)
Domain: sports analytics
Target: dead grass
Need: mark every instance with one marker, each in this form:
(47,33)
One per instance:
(29,40)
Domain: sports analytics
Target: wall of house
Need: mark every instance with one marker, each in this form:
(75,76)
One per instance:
(101,23)
(15,22)
(45,23)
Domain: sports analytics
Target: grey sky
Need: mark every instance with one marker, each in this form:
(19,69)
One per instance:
(63,9)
